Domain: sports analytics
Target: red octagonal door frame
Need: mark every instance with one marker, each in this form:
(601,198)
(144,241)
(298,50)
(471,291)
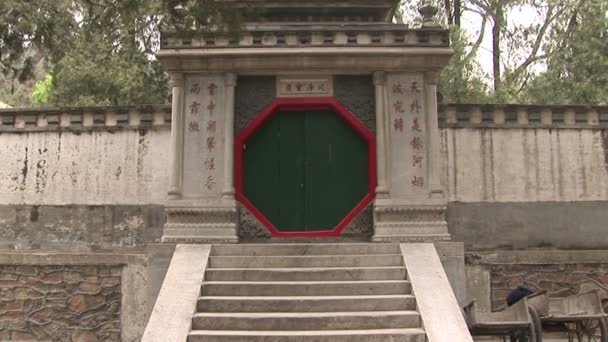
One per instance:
(294,104)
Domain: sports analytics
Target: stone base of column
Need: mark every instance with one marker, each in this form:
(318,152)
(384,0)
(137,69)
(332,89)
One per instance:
(200,224)
(401,222)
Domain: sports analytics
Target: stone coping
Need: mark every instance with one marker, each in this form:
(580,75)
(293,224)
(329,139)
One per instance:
(432,290)
(76,119)
(277,36)
(522,116)
(171,317)
(74,259)
(84,118)
(537,257)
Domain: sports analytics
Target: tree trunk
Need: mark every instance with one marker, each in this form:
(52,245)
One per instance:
(496,29)
(448,11)
(457,12)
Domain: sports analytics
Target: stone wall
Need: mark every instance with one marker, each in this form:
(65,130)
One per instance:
(60,303)
(557,279)
(491,275)
(525,225)
(93,167)
(79,227)
(525,153)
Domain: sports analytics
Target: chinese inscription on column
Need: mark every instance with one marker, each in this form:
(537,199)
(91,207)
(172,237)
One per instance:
(408,133)
(203,151)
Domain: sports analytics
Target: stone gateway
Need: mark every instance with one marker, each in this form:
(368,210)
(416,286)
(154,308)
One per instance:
(303,185)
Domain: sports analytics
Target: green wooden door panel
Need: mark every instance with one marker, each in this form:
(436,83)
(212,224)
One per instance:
(336,174)
(305,170)
(292,154)
(261,169)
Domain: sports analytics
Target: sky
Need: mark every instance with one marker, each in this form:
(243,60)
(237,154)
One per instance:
(472,22)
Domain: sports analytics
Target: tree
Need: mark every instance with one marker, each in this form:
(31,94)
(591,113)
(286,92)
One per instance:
(99,51)
(30,32)
(461,81)
(577,72)
(42,91)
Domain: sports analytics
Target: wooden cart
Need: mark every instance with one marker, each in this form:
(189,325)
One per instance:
(513,322)
(580,315)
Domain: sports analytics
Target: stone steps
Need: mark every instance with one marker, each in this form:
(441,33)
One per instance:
(304,249)
(375,335)
(306,303)
(369,260)
(306,292)
(305,320)
(306,274)
(306,288)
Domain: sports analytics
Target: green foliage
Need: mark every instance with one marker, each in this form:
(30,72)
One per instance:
(94,73)
(461,81)
(42,91)
(14,93)
(102,51)
(578,72)
(31,30)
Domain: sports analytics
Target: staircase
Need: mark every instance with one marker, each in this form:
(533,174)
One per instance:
(306,292)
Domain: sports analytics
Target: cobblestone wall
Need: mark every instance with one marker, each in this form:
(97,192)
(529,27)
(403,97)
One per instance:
(555,278)
(60,303)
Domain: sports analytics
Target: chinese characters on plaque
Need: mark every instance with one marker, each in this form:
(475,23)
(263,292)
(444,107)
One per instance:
(303,87)
(203,153)
(408,133)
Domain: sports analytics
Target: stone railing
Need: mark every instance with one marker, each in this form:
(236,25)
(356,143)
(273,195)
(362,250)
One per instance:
(84,118)
(277,36)
(450,116)
(522,116)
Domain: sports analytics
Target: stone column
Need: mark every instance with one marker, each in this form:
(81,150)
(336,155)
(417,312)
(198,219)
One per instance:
(229,84)
(177,135)
(436,189)
(379,84)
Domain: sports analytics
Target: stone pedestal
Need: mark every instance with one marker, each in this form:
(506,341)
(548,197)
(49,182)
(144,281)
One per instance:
(408,222)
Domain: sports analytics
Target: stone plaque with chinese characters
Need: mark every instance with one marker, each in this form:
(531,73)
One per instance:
(408,135)
(203,136)
(304,86)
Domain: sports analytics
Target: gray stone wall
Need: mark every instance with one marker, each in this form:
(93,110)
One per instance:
(79,227)
(252,95)
(507,226)
(60,303)
(357,94)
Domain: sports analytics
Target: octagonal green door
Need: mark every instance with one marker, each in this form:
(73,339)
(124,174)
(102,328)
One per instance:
(305,170)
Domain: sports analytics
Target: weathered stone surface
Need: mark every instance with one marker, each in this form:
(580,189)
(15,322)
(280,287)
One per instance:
(84,336)
(60,303)
(356,93)
(519,226)
(73,227)
(252,95)
(362,226)
(250,228)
